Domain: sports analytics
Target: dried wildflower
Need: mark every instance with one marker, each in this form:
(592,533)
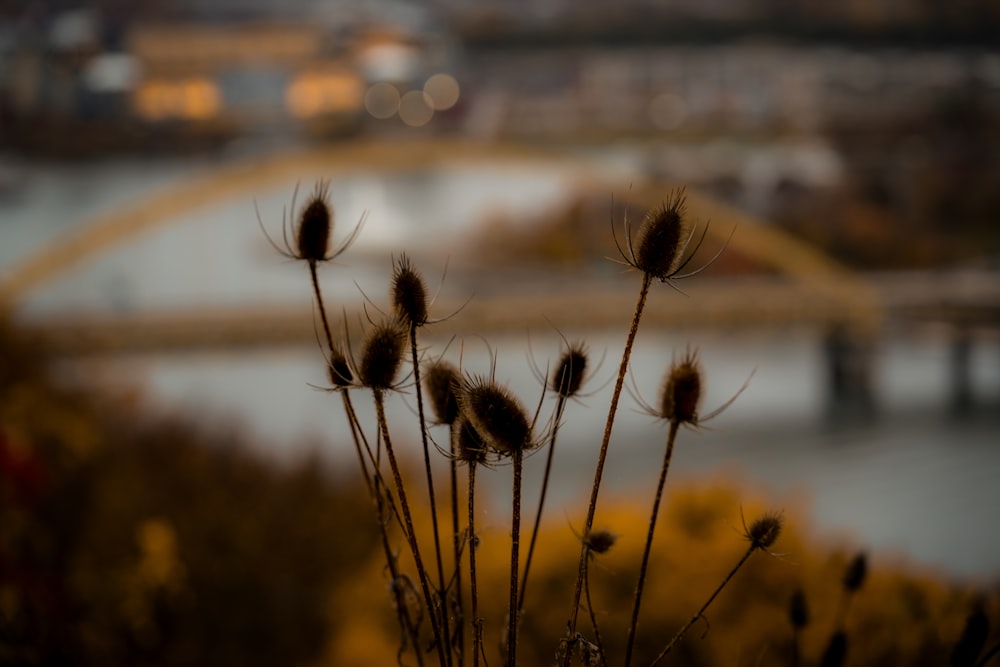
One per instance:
(382,356)
(469,445)
(658,245)
(497,415)
(313,229)
(798,609)
(835,653)
(338,369)
(600,541)
(567,379)
(660,249)
(855,574)
(970,644)
(764,531)
(442,381)
(682,390)
(409,295)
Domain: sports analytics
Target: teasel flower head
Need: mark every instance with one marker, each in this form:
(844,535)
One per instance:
(763,531)
(682,391)
(856,573)
(662,248)
(409,294)
(381,356)
(568,377)
(970,644)
(798,609)
(338,369)
(497,415)
(469,445)
(659,243)
(835,653)
(313,227)
(443,382)
(600,541)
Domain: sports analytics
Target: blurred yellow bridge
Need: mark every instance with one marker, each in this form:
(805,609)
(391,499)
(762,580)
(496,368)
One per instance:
(799,286)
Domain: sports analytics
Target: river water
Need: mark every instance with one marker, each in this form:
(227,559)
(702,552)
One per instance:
(914,482)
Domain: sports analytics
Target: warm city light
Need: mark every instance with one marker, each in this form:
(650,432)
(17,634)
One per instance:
(443,91)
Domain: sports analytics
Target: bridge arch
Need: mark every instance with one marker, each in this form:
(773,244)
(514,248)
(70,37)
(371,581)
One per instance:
(754,239)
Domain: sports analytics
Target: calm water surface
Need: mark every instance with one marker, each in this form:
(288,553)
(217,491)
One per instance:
(914,482)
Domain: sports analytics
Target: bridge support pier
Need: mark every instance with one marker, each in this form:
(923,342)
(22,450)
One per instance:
(848,358)
(961,400)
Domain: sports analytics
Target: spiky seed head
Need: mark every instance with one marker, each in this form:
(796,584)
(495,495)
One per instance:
(443,381)
(469,445)
(855,573)
(835,653)
(600,541)
(409,296)
(798,609)
(315,223)
(659,241)
(382,356)
(339,370)
(965,652)
(682,391)
(569,374)
(497,415)
(764,531)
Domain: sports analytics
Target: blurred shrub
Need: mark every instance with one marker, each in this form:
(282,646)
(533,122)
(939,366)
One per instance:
(134,540)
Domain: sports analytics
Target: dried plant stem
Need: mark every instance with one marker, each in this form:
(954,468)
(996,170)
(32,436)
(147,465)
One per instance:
(701,612)
(375,484)
(515,544)
(477,627)
(560,406)
(411,535)
(457,547)
(602,456)
(319,300)
(442,588)
(796,647)
(640,584)
(593,618)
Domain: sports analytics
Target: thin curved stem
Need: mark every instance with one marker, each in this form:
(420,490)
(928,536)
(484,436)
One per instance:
(442,589)
(640,584)
(602,456)
(319,300)
(374,484)
(701,612)
(593,619)
(411,535)
(515,544)
(477,627)
(457,547)
(560,406)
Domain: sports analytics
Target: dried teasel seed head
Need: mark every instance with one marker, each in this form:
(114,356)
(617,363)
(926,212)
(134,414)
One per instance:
(855,573)
(682,391)
(339,370)
(835,653)
(659,241)
(798,609)
(764,531)
(600,541)
(469,446)
(965,652)
(569,374)
(443,382)
(382,356)
(315,222)
(409,295)
(497,415)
